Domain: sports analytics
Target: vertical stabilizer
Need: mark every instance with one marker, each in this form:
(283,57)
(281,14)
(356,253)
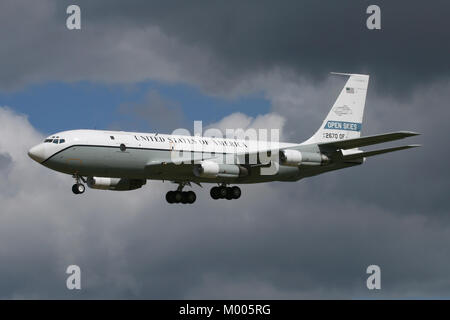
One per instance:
(345,118)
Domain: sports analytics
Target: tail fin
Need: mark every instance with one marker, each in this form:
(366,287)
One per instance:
(344,120)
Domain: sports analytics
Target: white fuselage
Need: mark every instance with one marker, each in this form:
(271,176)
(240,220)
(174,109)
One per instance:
(151,156)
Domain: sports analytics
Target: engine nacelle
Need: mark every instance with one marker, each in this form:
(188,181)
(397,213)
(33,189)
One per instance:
(210,169)
(290,157)
(118,184)
(297,158)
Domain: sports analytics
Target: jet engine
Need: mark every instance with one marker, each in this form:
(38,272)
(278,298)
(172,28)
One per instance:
(210,169)
(296,158)
(118,184)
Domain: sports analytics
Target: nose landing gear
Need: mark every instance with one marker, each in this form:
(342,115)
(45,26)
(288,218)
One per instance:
(78,187)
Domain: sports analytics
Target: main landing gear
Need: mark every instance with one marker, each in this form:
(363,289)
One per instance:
(78,187)
(224,192)
(180,196)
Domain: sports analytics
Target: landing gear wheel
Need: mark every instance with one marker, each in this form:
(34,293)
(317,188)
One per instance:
(229,195)
(190,197)
(214,193)
(170,197)
(184,198)
(177,196)
(78,188)
(222,192)
(236,192)
(81,188)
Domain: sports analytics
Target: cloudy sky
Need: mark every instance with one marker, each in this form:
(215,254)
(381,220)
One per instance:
(159,65)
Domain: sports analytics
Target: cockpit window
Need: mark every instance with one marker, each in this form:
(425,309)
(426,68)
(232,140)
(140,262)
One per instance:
(57,141)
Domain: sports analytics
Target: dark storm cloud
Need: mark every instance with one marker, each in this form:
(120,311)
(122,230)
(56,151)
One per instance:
(218,45)
(310,37)
(422,170)
(408,182)
(38,48)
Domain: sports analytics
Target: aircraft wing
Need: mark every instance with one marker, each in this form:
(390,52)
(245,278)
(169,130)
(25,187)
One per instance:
(179,165)
(161,166)
(367,141)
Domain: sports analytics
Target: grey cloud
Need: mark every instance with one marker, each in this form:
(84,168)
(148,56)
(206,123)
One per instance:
(220,46)
(43,50)
(5,168)
(413,181)
(5,161)
(159,112)
(309,239)
(309,37)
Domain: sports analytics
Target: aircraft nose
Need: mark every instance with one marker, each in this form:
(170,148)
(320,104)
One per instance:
(37,153)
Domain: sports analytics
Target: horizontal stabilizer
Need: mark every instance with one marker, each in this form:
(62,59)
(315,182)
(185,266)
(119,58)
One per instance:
(345,74)
(375,152)
(367,141)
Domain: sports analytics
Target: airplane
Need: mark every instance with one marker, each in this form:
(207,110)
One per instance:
(118,160)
